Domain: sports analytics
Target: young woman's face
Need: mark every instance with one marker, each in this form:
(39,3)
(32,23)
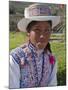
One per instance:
(40,34)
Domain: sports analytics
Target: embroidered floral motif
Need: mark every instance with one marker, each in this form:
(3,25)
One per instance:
(22,61)
(52,59)
(30,56)
(31,73)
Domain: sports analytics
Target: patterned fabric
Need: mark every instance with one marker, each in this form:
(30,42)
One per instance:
(35,70)
(39,10)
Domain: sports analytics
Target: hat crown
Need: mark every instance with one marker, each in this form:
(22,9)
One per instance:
(37,10)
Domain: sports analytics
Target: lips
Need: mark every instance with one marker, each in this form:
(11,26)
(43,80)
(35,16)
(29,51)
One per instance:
(42,40)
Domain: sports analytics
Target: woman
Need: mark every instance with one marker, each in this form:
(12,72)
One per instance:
(32,64)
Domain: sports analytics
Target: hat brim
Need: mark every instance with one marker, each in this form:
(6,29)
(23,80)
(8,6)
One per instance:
(23,23)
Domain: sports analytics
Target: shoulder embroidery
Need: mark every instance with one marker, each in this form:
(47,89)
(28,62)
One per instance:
(17,54)
(20,54)
(23,46)
(52,59)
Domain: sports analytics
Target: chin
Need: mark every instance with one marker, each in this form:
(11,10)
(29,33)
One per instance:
(41,46)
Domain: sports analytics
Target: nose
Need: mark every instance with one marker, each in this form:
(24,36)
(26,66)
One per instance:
(41,36)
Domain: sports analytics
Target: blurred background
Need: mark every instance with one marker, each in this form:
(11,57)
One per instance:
(57,39)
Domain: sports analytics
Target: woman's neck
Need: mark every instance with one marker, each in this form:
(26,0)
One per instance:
(36,47)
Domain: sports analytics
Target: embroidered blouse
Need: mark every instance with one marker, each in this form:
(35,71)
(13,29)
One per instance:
(31,68)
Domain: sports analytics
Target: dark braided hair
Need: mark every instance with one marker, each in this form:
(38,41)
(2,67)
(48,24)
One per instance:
(48,47)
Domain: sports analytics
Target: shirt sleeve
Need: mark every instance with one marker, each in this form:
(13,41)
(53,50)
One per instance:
(53,77)
(14,74)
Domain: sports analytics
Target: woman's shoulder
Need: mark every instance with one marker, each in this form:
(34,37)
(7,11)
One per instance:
(18,49)
(18,53)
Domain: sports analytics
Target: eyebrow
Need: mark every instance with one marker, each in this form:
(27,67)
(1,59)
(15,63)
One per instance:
(38,28)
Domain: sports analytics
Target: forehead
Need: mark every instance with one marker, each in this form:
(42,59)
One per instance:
(42,24)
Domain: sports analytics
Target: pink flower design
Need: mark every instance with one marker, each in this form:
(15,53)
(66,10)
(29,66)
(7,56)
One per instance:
(52,59)
(22,63)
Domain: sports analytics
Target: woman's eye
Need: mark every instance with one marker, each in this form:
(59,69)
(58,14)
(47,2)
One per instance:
(37,30)
(48,30)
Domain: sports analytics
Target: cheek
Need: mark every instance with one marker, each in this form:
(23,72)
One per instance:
(32,35)
(47,37)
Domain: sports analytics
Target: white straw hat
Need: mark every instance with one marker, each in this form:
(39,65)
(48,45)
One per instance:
(37,12)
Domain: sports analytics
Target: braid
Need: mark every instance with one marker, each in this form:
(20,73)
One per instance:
(48,47)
